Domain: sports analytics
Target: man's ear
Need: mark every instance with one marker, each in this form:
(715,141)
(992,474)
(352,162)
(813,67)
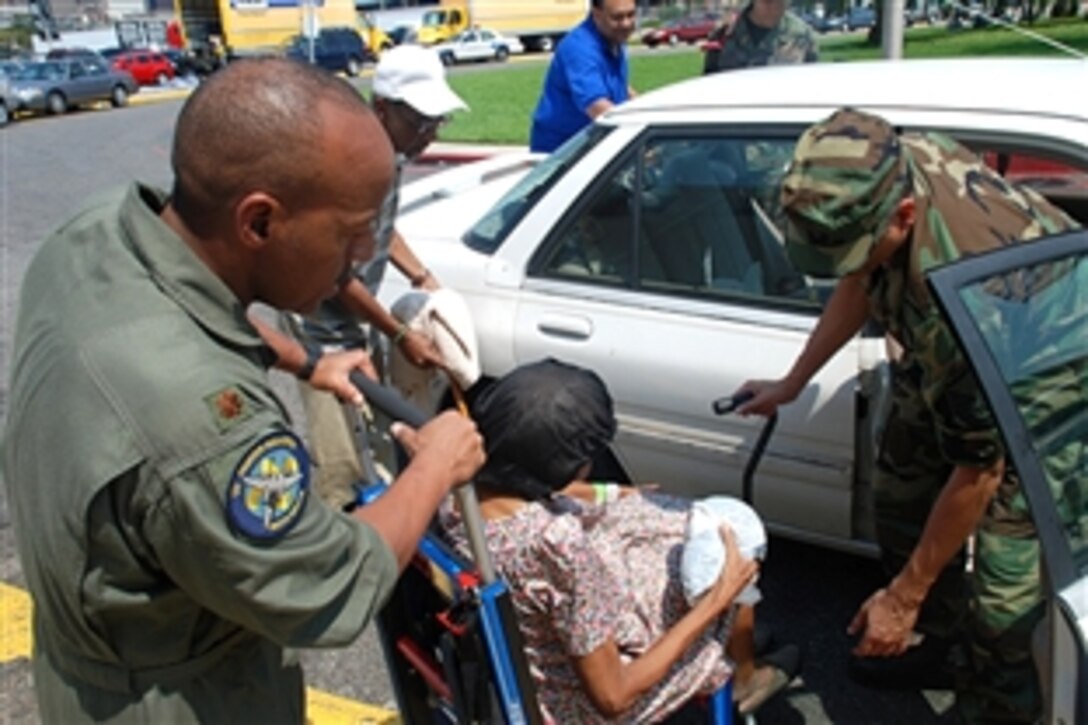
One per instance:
(254,217)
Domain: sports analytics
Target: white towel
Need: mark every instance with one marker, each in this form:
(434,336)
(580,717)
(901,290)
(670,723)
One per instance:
(443,318)
(704,551)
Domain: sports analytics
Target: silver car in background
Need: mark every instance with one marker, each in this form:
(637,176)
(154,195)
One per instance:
(7,102)
(55,86)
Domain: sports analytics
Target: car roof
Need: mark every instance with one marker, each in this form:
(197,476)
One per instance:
(1006,85)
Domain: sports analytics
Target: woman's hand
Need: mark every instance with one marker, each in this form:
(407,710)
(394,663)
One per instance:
(736,574)
(420,351)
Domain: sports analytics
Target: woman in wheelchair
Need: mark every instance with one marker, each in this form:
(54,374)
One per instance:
(593,569)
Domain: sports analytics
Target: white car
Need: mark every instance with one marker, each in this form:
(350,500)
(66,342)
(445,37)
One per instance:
(478,44)
(645,249)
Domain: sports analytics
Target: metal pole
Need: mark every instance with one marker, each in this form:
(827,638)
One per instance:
(892,35)
(310,28)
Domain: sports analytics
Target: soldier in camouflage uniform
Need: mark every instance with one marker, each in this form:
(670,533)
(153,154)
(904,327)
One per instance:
(763,33)
(879,209)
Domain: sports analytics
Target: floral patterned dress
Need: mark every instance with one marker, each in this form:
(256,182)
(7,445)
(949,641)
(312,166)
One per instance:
(605,572)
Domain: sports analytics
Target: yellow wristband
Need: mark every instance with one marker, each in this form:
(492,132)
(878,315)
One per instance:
(402,331)
(605,492)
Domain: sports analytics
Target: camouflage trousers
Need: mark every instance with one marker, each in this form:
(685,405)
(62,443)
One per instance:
(992,609)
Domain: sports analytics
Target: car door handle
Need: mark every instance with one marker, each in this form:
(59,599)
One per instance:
(570,327)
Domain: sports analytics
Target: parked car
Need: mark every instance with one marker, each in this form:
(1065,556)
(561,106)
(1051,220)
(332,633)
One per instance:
(147,67)
(185,64)
(110,53)
(71,53)
(827,23)
(646,249)
(1026,339)
(7,100)
(54,86)
(402,34)
(478,44)
(971,15)
(334,49)
(860,17)
(682,30)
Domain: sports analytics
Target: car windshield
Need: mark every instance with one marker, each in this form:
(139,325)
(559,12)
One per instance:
(42,72)
(433,18)
(1035,327)
(488,233)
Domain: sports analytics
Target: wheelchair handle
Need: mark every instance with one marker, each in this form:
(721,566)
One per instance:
(393,404)
(728,404)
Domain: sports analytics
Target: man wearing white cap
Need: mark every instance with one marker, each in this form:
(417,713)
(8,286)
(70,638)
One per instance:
(412,100)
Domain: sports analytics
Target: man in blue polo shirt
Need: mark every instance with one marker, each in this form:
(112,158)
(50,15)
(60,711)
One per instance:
(588,75)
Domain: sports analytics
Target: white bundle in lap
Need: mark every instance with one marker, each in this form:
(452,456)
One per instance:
(704,551)
(443,318)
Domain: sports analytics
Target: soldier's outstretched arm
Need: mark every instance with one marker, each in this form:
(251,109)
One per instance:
(842,318)
(887,618)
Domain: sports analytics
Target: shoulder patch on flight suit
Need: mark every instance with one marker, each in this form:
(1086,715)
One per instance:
(269,487)
(229,407)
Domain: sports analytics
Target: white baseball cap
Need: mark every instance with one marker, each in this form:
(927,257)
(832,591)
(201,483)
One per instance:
(415,75)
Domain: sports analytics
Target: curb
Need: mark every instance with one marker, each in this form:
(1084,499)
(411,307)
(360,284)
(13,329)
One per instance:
(142,98)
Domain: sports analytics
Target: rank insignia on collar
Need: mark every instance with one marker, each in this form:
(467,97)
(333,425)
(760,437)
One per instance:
(228,406)
(269,487)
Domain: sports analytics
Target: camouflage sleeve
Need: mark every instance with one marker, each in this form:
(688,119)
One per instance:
(812,54)
(964,426)
(711,58)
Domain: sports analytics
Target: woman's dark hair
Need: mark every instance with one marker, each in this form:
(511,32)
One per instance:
(541,423)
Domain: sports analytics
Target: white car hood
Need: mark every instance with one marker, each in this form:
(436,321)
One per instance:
(435,213)
(445,205)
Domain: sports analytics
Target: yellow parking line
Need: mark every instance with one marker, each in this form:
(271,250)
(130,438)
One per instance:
(322,708)
(14,623)
(325,709)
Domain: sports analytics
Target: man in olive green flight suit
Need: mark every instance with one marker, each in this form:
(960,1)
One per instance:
(161,502)
(878,209)
(764,32)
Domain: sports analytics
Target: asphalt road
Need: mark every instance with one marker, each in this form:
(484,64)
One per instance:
(48,166)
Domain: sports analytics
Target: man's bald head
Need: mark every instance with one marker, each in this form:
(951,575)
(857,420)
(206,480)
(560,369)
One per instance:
(254,125)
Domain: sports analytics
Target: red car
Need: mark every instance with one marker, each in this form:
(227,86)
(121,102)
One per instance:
(147,67)
(683,30)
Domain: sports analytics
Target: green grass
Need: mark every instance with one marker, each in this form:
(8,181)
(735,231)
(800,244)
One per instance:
(502,101)
(939,42)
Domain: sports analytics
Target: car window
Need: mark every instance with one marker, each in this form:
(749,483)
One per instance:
(76,70)
(93,67)
(1063,181)
(1033,324)
(488,233)
(695,216)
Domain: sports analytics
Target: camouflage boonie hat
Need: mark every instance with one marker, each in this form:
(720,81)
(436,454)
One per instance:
(847,175)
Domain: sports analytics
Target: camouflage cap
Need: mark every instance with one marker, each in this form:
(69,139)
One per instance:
(847,175)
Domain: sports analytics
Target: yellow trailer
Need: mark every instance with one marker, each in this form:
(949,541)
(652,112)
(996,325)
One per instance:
(249,27)
(538,23)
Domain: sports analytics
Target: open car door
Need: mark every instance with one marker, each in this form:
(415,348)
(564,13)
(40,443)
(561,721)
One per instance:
(1021,316)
